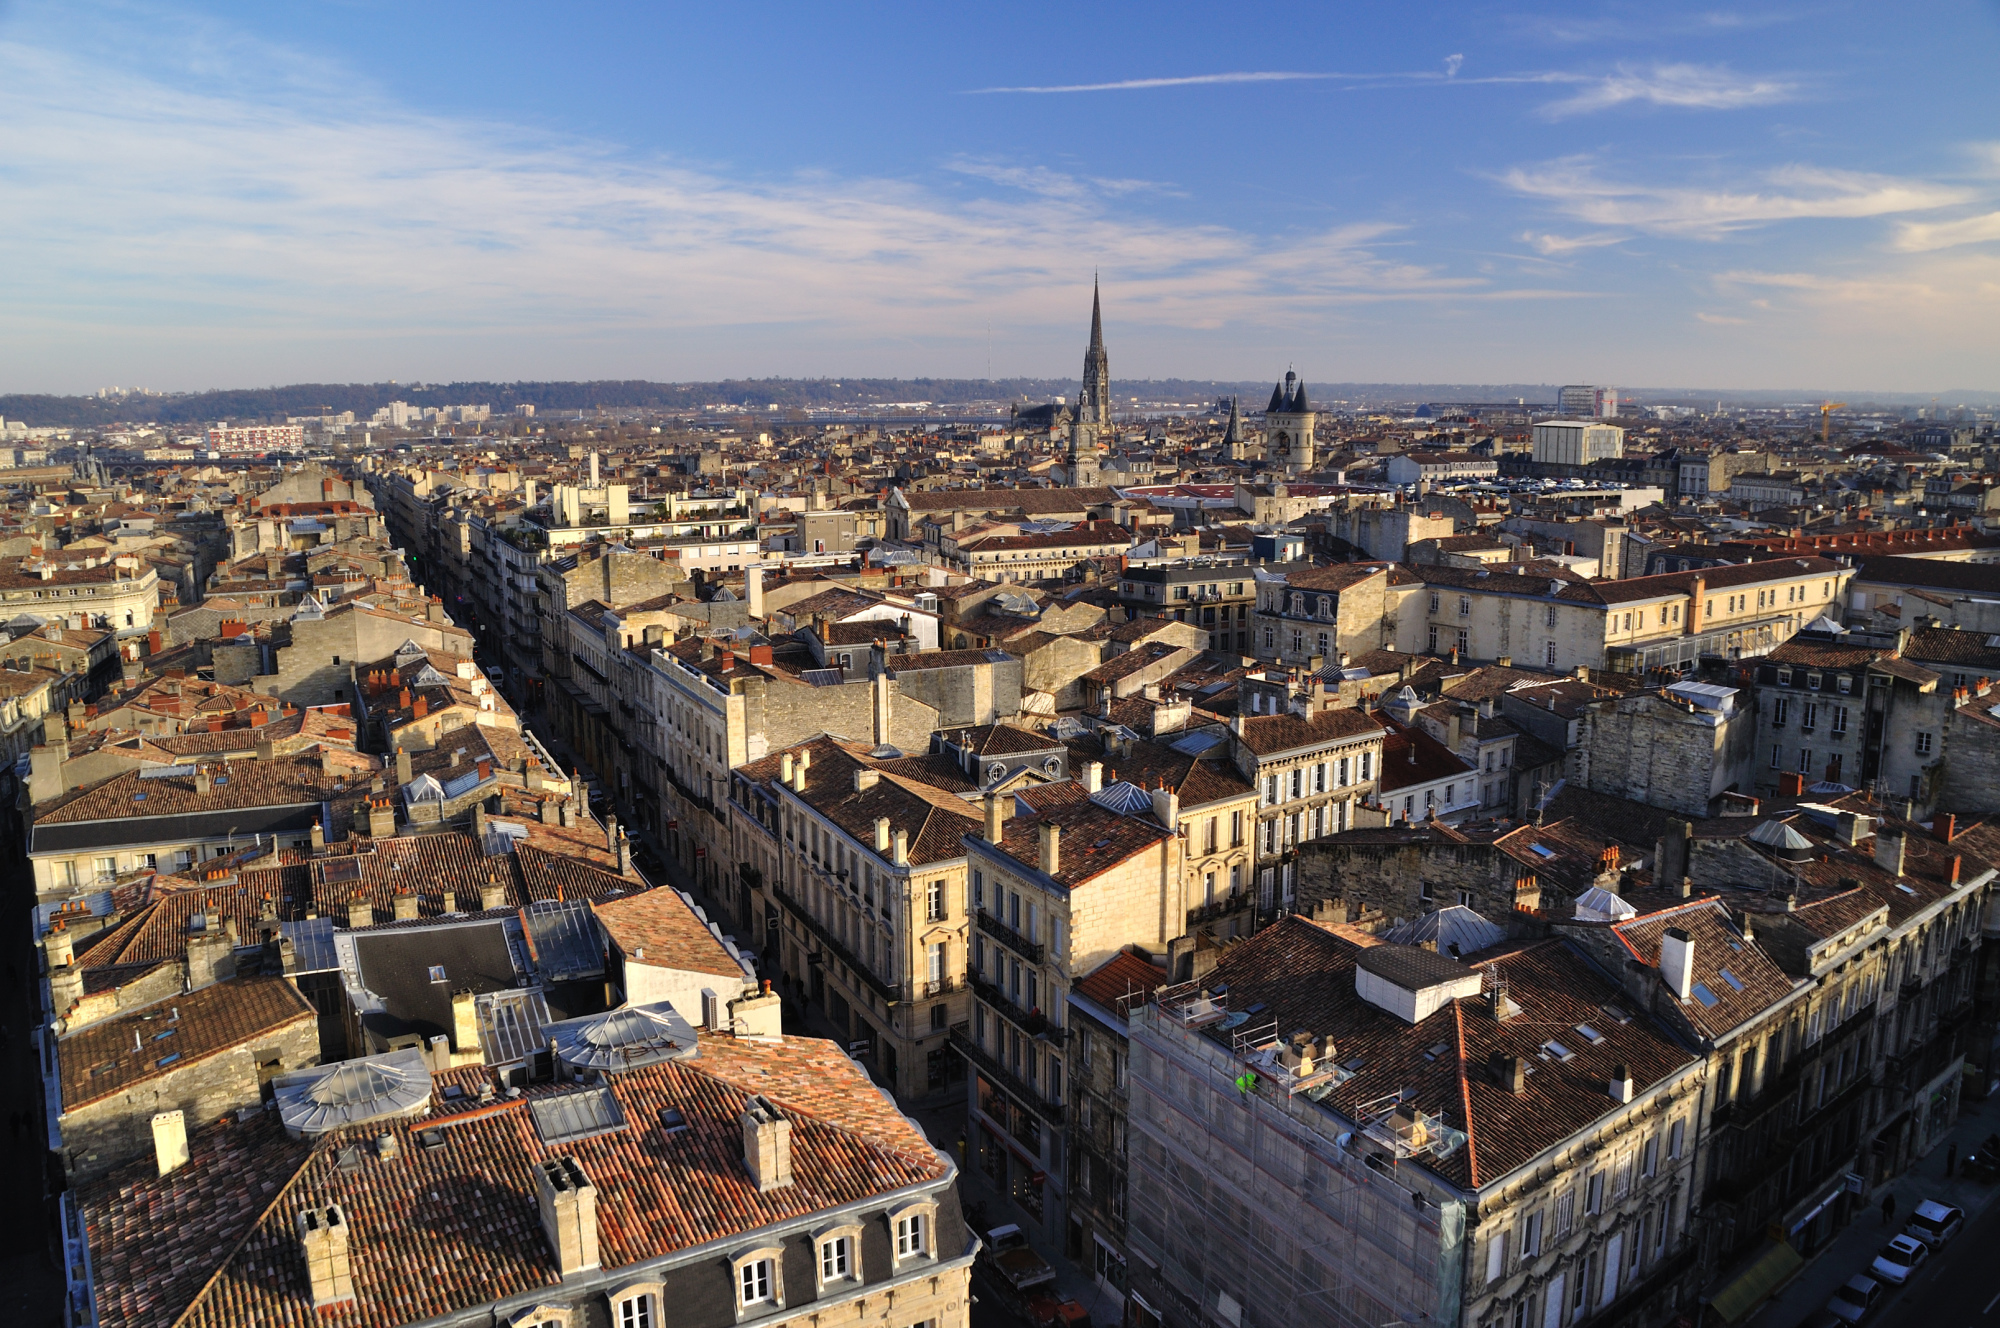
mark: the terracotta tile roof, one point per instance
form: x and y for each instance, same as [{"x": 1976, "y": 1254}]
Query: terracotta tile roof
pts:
[
  {"x": 658, "y": 928},
  {"x": 234, "y": 785},
  {"x": 1197, "y": 783},
  {"x": 417, "y": 1255},
  {"x": 116, "y": 1055},
  {"x": 1135, "y": 660},
  {"x": 1410, "y": 756},
  {"x": 1303, "y": 973},
  {"x": 933, "y": 818},
  {"x": 1948, "y": 645},
  {"x": 1115, "y": 983},
  {"x": 1028, "y": 501},
  {"x": 1719, "y": 948},
  {"x": 1271, "y": 735},
  {"x": 1340, "y": 576},
  {"x": 1093, "y": 839}
]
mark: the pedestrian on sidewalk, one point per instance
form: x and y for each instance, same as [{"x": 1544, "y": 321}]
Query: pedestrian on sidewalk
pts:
[
  {"x": 1950, "y": 1159},
  {"x": 1888, "y": 1209}
]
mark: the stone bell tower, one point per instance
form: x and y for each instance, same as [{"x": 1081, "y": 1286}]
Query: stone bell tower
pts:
[{"x": 1288, "y": 428}]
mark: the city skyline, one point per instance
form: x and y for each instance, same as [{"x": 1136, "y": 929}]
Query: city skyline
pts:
[{"x": 222, "y": 195}]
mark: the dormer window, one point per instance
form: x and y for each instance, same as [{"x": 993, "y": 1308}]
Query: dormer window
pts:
[
  {"x": 1784, "y": 677},
  {"x": 912, "y": 1228}
]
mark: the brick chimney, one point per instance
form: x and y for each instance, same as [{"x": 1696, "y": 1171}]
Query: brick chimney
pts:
[
  {"x": 404, "y": 907},
  {"x": 1050, "y": 856},
  {"x": 381, "y": 817},
  {"x": 767, "y": 1144},
  {"x": 403, "y": 775},
  {"x": 360, "y": 913},
  {"x": 323, "y": 1241},
  {"x": 996, "y": 819},
  {"x": 492, "y": 895}
]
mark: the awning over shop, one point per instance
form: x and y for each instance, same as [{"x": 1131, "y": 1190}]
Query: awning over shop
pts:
[{"x": 1757, "y": 1281}]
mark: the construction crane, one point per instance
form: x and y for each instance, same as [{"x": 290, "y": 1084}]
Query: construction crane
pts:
[{"x": 1826, "y": 409}]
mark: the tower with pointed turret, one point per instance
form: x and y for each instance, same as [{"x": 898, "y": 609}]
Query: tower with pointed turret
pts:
[
  {"x": 1093, "y": 403},
  {"x": 1288, "y": 427}
]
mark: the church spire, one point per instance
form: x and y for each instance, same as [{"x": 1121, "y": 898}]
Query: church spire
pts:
[{"x": 1096, "y": 317}]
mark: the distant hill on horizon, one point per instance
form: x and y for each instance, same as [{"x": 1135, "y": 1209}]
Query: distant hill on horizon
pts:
[{"x": 557, "y": 398}]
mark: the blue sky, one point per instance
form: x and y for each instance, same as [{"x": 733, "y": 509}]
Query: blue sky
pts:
[{"x": 215, "y": 194}]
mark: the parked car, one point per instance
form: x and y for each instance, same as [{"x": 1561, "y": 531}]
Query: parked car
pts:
[
  {"x": 1902, "y": 1256},
  {"x": 1856, "y": 1299},
  {"x": 1934, "y": 1223}
]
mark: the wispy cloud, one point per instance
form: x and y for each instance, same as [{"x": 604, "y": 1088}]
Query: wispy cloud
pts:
[
  {"x": 1681, "y": 86},
  {"x": 1550, "y": 245},
  {"x": 1196, "y": 80},
  {"x": 1915, "y": 237},
  {"x": 1790, "y": 193},
  {"x": 138, "y": 205}
]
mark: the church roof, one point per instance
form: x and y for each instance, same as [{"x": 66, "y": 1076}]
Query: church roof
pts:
[
  {"x": 1277, "y": 399},
  {"x": 1299, "y": 404}
]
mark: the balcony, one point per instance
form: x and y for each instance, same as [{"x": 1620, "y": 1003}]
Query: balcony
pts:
[
  {"x": 934, "y": 987},
  {"x": 832, "y": 944},
  {"x": 1221, "y": 908},
  {"x": 1008, "y": 937},
  {"x": 1032, "y": 1022},
  {"x": 989, "y": 1065}
]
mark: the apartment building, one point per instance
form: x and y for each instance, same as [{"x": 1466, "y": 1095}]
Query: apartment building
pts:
[
  {"x": 1848, "y": 709},
  {"x": 1303, "y": 614},
  {"x": 1217, "y": 597},
  {"x": 1098, "y": 1129},
  {"x": 706, "y": 1179},
  {"x": 1213, "y": 807},
  {"x": 856, "y": 874},
  {"x": 1054, "y": 895},
  {"x": 1544, "y": 617},
  {"x": 1310, "y": 773},
  {"x": 1329, "y": 1128},
  {"x": 115, "y": 592}
]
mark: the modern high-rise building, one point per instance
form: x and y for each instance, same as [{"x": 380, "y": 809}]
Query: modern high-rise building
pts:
[{"x": 1598, "y": 403}]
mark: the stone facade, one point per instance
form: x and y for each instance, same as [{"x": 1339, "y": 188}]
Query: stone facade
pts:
[
  {"x": 1391, "y": 875},
  {"x": 1664, "y": 752}
]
